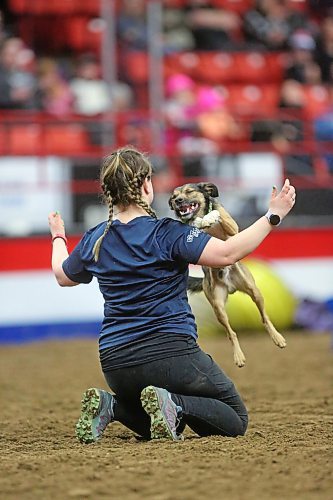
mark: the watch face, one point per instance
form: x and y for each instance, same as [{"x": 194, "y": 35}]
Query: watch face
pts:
[{"x": 274, "y": 219}]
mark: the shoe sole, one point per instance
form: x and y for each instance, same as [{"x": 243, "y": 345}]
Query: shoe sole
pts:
[
  {"x": 159, "y": 428},
  {"x": 89, "y": 410}
]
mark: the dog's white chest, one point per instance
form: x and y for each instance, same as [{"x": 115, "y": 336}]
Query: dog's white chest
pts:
[{"x": 227, "y": 279}]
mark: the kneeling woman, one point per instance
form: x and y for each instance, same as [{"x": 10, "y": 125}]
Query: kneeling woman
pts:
[{"x": 160, "y": 379}]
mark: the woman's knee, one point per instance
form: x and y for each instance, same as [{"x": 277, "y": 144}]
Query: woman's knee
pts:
[{"x": 244, "y": 418}]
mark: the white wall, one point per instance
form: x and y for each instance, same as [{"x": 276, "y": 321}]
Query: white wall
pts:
[{"x": 33, "y": 297}]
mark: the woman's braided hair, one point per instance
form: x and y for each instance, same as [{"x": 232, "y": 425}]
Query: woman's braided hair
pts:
[{"x": 122, "y": 175}]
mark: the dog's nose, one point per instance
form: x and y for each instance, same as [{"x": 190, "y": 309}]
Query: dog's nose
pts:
[{"x": 179, "y": 199}]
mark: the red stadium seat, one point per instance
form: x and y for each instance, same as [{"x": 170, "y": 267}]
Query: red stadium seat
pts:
[
  {"x": 174, "y": 3},
  {"x": 301, "y": 5},
  {"x": 136, "y": 67},
  {"x": 251, "y": 67},
  {"x": 225, "y": 67},
  {"x": 184, "y": 62},
  {"x": 88, "y": 7},
  {"x": 276, "y": 65},
  {"x": 239, "y": 6},
  {"x": 216, "y": 68},
  {"x": 37, "y": 7},
  {"x": 24, "y": 139},
  {"x": 3, "y": 141},
  {"x": 252, "y": 99},
  {"x": 58, "y": 7},
  {"x": 53, "y": 139},
  {"x": 84, "y": 33},
  {"x": 256, "y": 67},
  {"x": 65, "y": 139},
  {"x": 18, "y": 6},
  {"x": 318, "y": 99}
]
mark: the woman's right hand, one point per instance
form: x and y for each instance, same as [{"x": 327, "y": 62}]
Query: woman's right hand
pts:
[{"x": 281, "y": 203}]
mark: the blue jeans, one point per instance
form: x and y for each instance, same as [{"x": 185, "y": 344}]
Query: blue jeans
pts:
[{"x": 209, "y": 400}]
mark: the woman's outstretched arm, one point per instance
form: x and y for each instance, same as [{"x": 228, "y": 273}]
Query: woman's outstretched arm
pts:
[
  {"x": 218, "y": 253},
  {"x": 59, "y": 249}
]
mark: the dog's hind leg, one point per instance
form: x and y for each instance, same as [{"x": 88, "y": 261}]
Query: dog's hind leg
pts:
[
  {"x": 217, "y": 296},
  {"x": 250, "y": 288}
]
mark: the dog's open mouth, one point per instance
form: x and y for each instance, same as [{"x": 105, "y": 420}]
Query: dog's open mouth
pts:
[{"x": 187, "y": 210}]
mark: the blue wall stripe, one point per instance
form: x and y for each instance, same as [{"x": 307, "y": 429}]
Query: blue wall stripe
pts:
[{"x": 20, "y": 334}]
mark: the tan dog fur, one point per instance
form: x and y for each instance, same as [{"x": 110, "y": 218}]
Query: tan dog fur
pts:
[{"x": 217, "y": 284}]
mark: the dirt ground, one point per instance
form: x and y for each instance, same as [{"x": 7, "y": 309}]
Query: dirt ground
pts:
[{"x": 286, "y": 453}]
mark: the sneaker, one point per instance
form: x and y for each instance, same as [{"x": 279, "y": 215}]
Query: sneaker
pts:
[
  {"x": 163, "y": 412},
  {"x": 96, "y": 414}
]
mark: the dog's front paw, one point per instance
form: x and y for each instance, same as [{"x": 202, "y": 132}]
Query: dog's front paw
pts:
[
  {"x": 198, "y": 222},
  {"x": 211, "y": 219}
]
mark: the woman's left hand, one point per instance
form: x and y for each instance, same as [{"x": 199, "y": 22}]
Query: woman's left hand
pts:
[{"x": 56, "y": 223}]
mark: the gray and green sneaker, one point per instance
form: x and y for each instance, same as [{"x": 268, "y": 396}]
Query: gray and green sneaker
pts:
[
  {"x": 96, "y": 414},
  {"x": 164, "y": 413}
]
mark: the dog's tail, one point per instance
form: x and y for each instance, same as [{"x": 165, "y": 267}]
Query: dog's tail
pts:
[{"x": 194, "y": 284}]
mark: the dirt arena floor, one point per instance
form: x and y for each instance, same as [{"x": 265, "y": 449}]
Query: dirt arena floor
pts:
[{"x": 286, "y": 453}]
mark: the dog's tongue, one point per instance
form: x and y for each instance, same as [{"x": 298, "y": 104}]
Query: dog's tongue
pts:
[{"x": 185, "y": 209}]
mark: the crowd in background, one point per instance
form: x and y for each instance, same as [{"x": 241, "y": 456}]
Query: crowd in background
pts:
[{"x": 63, "y": 84}]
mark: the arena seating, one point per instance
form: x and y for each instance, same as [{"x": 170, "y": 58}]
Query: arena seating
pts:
[
  {"x": 83, "y": 33},
  {"x": 215, "y": 67},
  {"x": 36, "y": 139},
  {"x": 23, "y": 139},
  {"x": 56, "y": 7},
  {"x": 250, "y": 79},
  {"x": 239, "y": 6},
  {"x": 317, "y": 99},
  {"x": 239, "y": 67},
  {"x": 256, "y": 100}
]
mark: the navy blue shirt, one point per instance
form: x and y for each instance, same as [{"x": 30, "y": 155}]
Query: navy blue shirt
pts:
[{"x": 142, "y": 273}]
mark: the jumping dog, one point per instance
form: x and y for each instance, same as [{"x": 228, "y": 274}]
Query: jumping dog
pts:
[{"x": 197, "y": 205}]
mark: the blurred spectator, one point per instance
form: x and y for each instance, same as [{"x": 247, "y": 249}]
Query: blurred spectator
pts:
[
  {"x": 198, "y": 112},
  {"x": 282, "y": 132},
  {"x": 272, "y": 23},
  {"x": 92, "y": 95},
  {"x": 292, "y": 95},
  {"x": 131, "y": 25},
  {"x": 320, "y": 7},
  {"x": 213, "y": 119},
  {"x": 324, "y": 52},
  {"x": 90, "y": 92},
  {"x": 54, "y": 92},
  {"x": 323, "y": 129},
  {"x": 122, "y": 97},
  {"x": 302, "y": 67},
  {"x": 212, "y": 28},
  {"x": 180, "y": 102},
  {"x": 3, "y": 31},
  {"x": 181, "y": 111},
  {"x": 17, "y": 81},
  {"x": 176, "y": 34}
]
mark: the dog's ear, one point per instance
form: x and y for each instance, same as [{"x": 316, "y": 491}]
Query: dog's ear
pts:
[
  {"x": 209, "y": 188},
  {"x": 170, "y": 202}
]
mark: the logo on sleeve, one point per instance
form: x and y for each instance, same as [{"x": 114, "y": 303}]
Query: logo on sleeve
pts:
[{"x": 194, "y": 233}]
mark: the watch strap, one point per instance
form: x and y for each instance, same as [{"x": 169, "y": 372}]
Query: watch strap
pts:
[{"x": 268, "y": 216}]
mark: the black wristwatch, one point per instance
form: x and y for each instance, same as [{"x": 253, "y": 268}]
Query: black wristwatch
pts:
[{"x": 273, "y": 219}]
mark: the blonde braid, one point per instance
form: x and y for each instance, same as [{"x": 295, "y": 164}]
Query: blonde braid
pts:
[
  {"x": 98, "y": 242},
  {"x": 143, "y": 204},
  {"x": 122, "y": 175},
  {"x": 134, "y": 189}
]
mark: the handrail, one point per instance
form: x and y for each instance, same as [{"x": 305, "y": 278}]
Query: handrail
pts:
[{"x": 31, "y": 133}]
